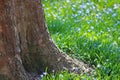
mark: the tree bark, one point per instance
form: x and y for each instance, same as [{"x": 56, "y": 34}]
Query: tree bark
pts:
[{"x": 25, "y": 44}]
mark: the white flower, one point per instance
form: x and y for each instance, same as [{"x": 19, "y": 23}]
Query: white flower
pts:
[
  {"x": 53, "y": 76},
  {"x": 67, "y": 0},
  {"x": 49, "y": 15},
  {"x": 115, "y": 43},
  {"x": 95, "y": 78},
  {"x": 88, "y": 3},
  {"x": 92, "y": 27},
  {"x": 116, "y": 6},
  {"x": 78, "y": 29},
  {"x": 83, "y": 6},
  {"x": 41, "y": 76},
  {"x": 110, "y": 10},
  {"x": 98, "y": 65},
  {"x": 60, "y": 75},
  {"x": 79, "y": 11},
  {"x": 74, "y": 5},
  {"x": 93, "y": 7},
  {"x": 118, "y": 38},
  {"x": 75, "y": 68},
  {"x": 73, "y": 8},
  {"x": 113, "y": 15},
  {"x": 92, "y": 3},
  {"x": 87, "y": 11},
  {"x": 45, "y": 73},
  {"x": 98, "y": 15},
  {"x": 88, "y": 30}
]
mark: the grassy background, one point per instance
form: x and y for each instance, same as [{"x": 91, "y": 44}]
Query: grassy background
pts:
[{"x": 88, "y": 30}]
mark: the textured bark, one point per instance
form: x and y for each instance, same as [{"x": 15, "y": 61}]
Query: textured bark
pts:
[
  {"x": 10, "y": 59},
  {"x": 25, "y": 43}
]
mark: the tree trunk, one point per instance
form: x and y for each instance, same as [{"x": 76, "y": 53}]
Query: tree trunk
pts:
[{"x": 25, "y": 44}]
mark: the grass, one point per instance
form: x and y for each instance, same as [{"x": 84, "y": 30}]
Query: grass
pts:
[
  {"x": 88, "y": 30},
  {"x": 67, "y": 76}
]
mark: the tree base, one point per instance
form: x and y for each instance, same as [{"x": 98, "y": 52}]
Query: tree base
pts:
[{"x": 4, "y": 77}]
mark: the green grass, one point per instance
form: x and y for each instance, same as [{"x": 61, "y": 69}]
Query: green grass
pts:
[
  {"x": 88, "y": 30},
  {"x": 67, "y": 76}
]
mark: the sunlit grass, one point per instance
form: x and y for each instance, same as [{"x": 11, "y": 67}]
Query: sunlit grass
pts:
[
  {"x": 88, "y": 30},
  {"x": 66, "y": 76}
]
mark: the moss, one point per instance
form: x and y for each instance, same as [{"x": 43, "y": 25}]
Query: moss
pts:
[
  {"x": 32, "y": 48},
  {"x": 33, "y": 61},
  {"x": 4, "y": 77},
  {"x": 29, "y": 64}
]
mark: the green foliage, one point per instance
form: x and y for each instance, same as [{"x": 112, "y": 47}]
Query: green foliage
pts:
[
  {"x": 66, "y": 76},
  {"x": 88, "y": 30}
]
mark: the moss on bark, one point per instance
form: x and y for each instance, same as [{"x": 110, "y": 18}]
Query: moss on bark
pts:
[{"x": 4, "y": 77}]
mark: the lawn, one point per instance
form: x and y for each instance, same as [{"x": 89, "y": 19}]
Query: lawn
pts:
[{"x": 88, "y": 30}]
